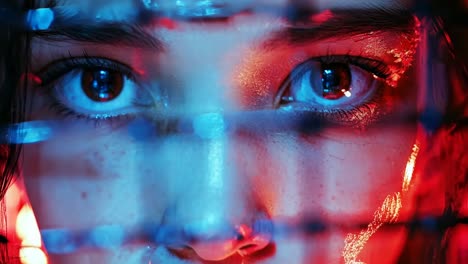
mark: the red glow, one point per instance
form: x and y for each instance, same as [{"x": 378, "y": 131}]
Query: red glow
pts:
[
  {"x": 31, "y": 245},
  {"x": 24, "y": 236},
  {"x": 32, "y": 77},
  {"x": 140, "y": 72},
  {"x": 166, "y": 23},
  {"x": 244, "y": 230},
  {"x": 321, "y": 17}
]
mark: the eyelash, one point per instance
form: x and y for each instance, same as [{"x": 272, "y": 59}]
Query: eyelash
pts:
[
  {"x": 375, "y": 67},
  {"x": 65, "y": 65},
  {"x": 359, "y": 116},
  {"x": 353, "y": 116},
  {"x": 59, "y": 68}
]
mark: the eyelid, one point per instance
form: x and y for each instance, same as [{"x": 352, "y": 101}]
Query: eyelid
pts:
[
  {"x": 58, "y": 68},
  {"x": 376, "y": 67}
]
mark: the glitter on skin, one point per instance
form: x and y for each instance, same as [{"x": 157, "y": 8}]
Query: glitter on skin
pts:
[
  {"x": 410, "y": 167},
  {"x": 387, "y": 213},
  {"x": 404, "y": 57}
]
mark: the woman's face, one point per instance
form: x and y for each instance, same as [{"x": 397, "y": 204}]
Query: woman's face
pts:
[{"x": 208, "y": 126}]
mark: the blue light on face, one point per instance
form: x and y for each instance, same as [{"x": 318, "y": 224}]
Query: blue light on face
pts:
[
  {"x": 107, "y": 237},
  {"x": 59, "y": 241},
  {"x": 190, "y": 9},
  {"x": 142, "y": 129},
  {"x": 27, "y": 132},
  {"x": 209, "y": 126},
  {"x": 40, "y": 19}
]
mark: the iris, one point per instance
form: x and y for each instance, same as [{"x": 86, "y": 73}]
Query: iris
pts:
[
  {"x": 336, "y": 80},
  {"x": 102, "y": 85}
]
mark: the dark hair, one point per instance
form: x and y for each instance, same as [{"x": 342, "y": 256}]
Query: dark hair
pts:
[
  {"x": 14, "y": 54},
  {"x": 442, "y": 166}
]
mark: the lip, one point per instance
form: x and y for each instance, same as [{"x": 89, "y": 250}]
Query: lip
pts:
[{"x": 188, "y": 255}]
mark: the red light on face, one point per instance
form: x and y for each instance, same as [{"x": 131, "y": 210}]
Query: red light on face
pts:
[
  {"x": 321, "y": 17},
  {"x": 166, "y": 23},
  {"x": 28, "y": 233},
  {"x": 32, "y": 78},
  {"x": 244, "y": 231}
]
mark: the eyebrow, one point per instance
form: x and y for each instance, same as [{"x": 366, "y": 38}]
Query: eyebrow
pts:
[
  {"x": 344, "y": 23},
  {"x": 338, "y": 23},
  {"x": 115, "y": 33}
]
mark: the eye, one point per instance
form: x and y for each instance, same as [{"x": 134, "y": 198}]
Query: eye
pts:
[
  {"x": 336, "y": 87},
  {"x": 95, "y": 88},
  {"x": 335, "y": 81},
  {"x": 102, "y": 85}
]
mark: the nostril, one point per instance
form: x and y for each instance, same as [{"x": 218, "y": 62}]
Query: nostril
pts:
[
  {"x": 247, "y": 247},
  {"x": 184, "y": 252},
  {"x": 252, "y": 248},
  {"x": 221, "y": 241},
  {"x": 253, "y": 243},
  {"x": 247, "y": 243},
  {"x": 248, "y": 250}
]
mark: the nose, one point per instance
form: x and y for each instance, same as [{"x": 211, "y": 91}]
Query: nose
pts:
[
  {"x": 217, "y": 208},
  {"x": 245, "y": 242}
]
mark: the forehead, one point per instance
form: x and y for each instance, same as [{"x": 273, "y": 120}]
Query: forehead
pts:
[
  {"x": 317, "y": 5},
  {"x": 330, "y": 3},
  {"x": 139, "y": 11}
]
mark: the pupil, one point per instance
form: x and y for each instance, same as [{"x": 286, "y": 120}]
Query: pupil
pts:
[
  {"x": 336, "y": 80},
  {"x": 101, "y": 85}
]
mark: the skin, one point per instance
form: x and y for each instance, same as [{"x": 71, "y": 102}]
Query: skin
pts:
[{"x": 104, "y": 175}]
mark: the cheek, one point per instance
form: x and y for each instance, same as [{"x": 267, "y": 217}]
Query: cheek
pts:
[
  {"x": 335, "y": 174},
  {"x": 101, "y": 178}
]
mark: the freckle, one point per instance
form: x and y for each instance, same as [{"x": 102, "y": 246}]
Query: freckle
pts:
[
  {"x": 84, "y": 195},
  {"x": 333, "y": 198}
]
